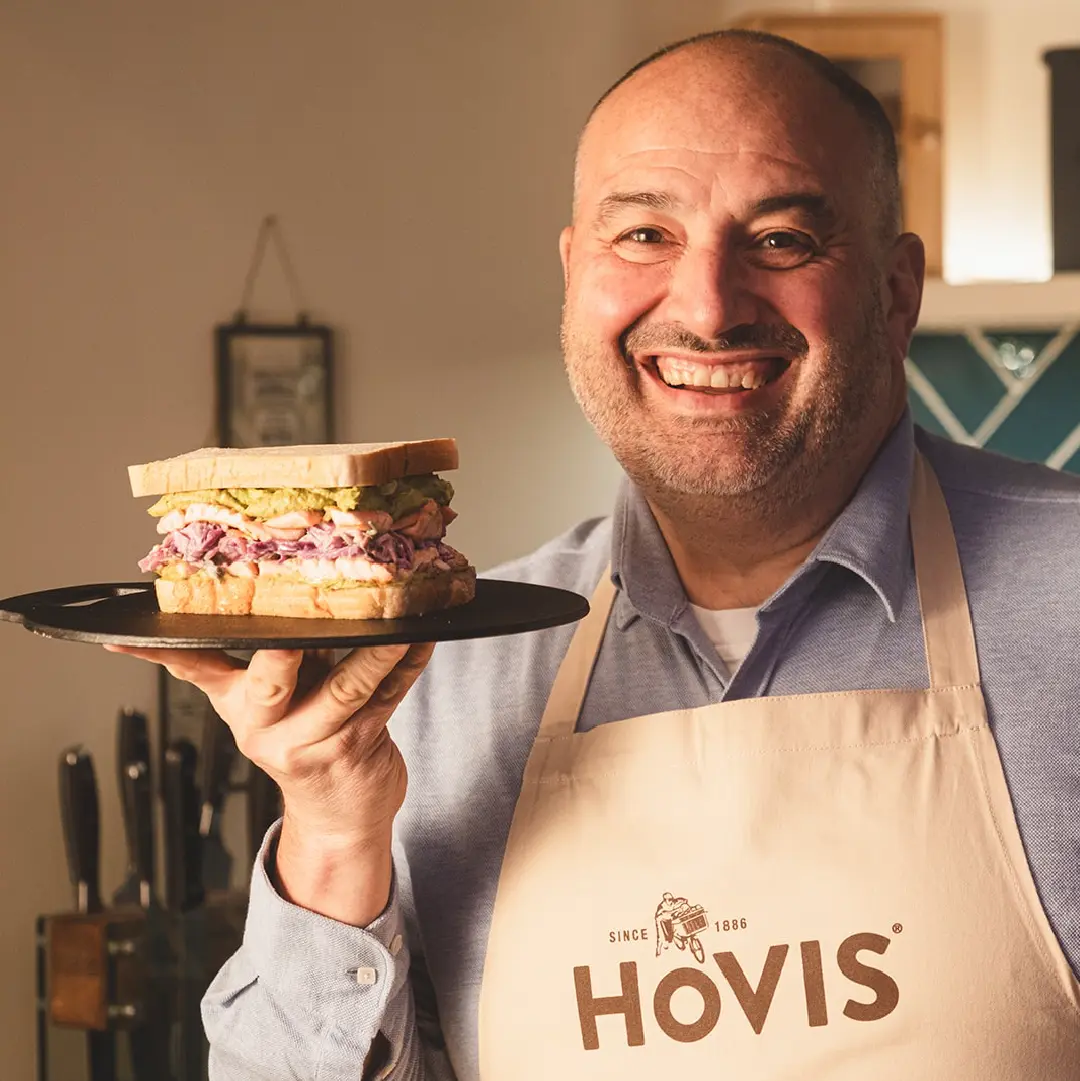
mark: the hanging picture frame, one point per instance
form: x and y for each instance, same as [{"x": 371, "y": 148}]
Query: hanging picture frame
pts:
[{"x": 273, "y": 384}]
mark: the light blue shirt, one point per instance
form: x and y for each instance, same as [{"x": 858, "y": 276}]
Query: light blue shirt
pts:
[{"x": 304, "y": 997}]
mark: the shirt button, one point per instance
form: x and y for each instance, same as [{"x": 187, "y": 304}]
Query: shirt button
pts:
[
  {"x": 366, "y": 976},
  {"x": 395, "y": 945}
]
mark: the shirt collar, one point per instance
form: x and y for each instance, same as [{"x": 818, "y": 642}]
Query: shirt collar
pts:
[
  {"x": 641, "y": 564},
  {"x": 869, "y": 538}
]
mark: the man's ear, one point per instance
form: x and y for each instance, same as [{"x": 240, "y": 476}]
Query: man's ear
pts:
[
  {"x": 902, "y": 288},
  {"x": 565, "y": 237}
]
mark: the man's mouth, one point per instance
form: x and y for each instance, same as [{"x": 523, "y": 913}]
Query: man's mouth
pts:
[{"x": 718, "y": 376}]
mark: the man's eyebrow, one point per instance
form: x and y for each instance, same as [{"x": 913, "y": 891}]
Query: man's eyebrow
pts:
[
  {"x": 816, "y": 205},
  {"x": 812, "y": 203},
  {"x": 649, "y": 200}
]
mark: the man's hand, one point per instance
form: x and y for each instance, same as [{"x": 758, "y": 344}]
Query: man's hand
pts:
[{"x": 321, "y": 735}]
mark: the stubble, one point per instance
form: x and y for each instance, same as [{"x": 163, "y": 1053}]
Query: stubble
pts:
[{"x": 756, "y": 462}]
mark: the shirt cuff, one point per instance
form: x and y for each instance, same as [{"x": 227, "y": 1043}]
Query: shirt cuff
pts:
[{"x": 325, "y": 967}]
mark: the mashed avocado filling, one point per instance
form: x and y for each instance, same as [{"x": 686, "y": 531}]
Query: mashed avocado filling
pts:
[{"x": 397, "y": 498}]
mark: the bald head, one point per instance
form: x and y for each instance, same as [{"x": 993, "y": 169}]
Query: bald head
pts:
[{"x": 764, "y": 68}]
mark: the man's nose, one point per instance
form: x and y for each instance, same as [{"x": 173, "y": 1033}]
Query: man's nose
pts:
[{"x": 708, "y": 293}]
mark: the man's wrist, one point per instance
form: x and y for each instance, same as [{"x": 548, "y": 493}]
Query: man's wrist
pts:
[{"x": 345, "y": 878}]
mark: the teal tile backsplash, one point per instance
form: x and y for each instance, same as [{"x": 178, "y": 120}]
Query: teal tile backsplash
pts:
[{"x": 1013, "y": 391}]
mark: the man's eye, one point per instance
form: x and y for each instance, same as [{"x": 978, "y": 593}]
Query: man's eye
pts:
[
  {"x": 643, "y": 234},
  {"x": 784, "y": 248}
]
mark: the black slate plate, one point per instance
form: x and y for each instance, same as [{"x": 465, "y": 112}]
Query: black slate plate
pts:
[{"x": 126, "y": 613}]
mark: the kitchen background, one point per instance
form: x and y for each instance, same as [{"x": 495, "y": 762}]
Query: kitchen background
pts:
[{"x": 419, "y": 157}]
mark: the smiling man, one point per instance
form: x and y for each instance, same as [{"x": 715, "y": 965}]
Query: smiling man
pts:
[
  {"x": 735, "y": 228},
  {"x": 825, "y": 699}
]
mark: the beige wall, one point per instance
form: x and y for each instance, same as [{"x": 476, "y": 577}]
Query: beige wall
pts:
[{"x": 419, "y": 156}]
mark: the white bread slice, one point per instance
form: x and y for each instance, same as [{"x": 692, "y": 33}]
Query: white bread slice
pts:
[
  {"x": 281, "y": 597},
  {"x": 331, "y": 465},
  {"x": 225, "y": 596}
]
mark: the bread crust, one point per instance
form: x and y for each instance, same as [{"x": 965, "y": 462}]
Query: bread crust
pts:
[
  {"x": 276, "y": 596},
  {"x": 225, "y": 596},
  {"x": 332, "y": 465}
]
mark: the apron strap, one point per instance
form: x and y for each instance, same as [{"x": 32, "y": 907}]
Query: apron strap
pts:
[
  {"x": 951, "y": 658},
  {"x": 568, "y": 691}
]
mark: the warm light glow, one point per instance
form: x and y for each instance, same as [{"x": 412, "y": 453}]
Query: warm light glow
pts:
[{"x": 988, "y": 248}]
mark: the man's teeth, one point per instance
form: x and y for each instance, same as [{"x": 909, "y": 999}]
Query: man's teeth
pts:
[{"x": 714, "y": 376}]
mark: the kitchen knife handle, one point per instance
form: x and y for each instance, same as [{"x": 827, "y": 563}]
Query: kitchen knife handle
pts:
[
  {"x": 133, "y": 737},
  {"x": 139, "y": 797},
  {"x": 183, "y": 845},
  {"x": 133, "y": 750},
  {"x": 81, "y": 827},
  {"x": 217, "y": 754}
]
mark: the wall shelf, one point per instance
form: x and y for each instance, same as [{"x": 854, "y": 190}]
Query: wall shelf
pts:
[{"x": 1052, "y": 304}]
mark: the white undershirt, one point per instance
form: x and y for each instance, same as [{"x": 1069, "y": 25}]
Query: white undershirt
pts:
[{"x": 732, "y": 631}]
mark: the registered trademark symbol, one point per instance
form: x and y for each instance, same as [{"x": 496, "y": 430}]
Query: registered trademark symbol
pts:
[{"x": 897, "y": 928}]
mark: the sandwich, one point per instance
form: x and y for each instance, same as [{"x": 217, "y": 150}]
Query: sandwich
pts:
[{"x": 346, "y": 531}]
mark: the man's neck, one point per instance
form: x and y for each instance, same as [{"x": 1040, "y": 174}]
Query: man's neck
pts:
[
  {"x": 737, "y": 551},
  {"x": 727, "y": 555}
]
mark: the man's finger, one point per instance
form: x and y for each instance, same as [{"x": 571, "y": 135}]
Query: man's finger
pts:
[
  {"x": 269, "y": 684},
  {"x": 205, "y": 668},
  {"x": 348, "y": 688},
  {"x": 407, "y": 671},
  {"x": 314, "y": 668}
]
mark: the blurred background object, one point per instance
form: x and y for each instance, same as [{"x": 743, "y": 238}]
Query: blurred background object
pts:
[{"x": 1064, "y": 67}]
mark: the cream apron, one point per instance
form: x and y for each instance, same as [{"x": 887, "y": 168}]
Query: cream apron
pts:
[{"x": 822, "y": 887}]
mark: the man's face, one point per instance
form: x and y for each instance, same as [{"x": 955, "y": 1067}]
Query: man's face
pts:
[{"x": 732, "y": 323}]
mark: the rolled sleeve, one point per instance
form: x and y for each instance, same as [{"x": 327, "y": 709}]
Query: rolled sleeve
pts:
[{"x": 305, "y": 995}]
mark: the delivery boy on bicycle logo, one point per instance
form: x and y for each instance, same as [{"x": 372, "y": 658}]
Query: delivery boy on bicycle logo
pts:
[{"x": 678, "y": 921}]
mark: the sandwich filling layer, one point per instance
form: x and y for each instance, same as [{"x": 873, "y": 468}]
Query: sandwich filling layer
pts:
[{"x": 334, "y": 537}]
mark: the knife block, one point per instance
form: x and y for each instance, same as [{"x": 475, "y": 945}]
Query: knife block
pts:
[
  {"x": 95, "y": 978},
  {"x": 138, "y": 974}
]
